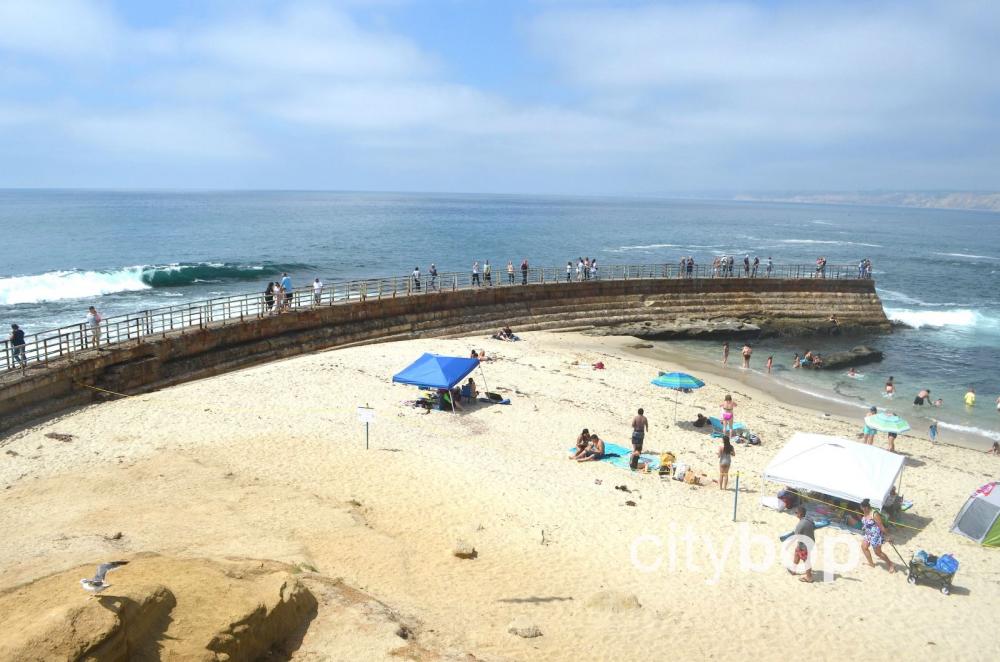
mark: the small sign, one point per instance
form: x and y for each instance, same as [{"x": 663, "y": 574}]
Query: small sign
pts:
[{"x": 366, "y": 415}]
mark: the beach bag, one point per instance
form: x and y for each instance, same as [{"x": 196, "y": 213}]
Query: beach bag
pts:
[
  {"x": 946, "y": 564},
  {"x": 753, "y": 440}
]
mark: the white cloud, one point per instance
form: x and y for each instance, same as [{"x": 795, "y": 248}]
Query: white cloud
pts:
[{"x": 57, "y": 28}]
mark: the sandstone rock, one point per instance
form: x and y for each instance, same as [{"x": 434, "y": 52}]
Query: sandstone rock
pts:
[
  {"x": 860, "y": 355},
  {"x": 523, "y": 627},
  {"x": 615, "y": 602},
  {"x": 464, "y": 550},
  {"x": 681, "y": 329}
]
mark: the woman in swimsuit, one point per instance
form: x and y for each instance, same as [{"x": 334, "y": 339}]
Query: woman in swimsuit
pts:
[
  {"x": 727, "y": 415},
  {"x": 582, "y": 443},
  {"x": 874, "y": 532},
  {"x": 726, "y": 453}
]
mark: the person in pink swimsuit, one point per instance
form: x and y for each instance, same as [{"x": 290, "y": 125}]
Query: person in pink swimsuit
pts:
[{"x": 727, "y": 415}]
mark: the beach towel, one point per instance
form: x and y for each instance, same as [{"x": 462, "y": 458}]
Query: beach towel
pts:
[
  {"x": 505, "y": 401},
  {"x": 717, "y": 425},
  {"x": 619, "y": 456}
]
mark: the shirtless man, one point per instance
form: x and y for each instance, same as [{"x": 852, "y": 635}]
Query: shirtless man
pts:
[
  {"x": 595, "y": 451},
  {"x": 747, "y": 351},
  {"x": 640, "y": 425},
  {"x": 922, "y": 397}
]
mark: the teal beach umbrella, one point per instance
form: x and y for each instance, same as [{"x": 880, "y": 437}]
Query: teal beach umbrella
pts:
[
  {"x": 678, "y": 381},
  {"x": 886, "y": 422}
]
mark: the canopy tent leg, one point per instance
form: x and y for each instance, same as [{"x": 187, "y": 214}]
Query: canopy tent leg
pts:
[{"x": 486, "y": 386}]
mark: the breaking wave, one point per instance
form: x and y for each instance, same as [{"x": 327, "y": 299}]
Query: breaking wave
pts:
[
  {"x": 827, "y": 241},
  {"x": 75, "y": 284},
  {"x": 965, "y": 318}
]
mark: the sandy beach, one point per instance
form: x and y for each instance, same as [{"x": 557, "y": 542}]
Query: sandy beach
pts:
[{"x": 270, "y": 463}]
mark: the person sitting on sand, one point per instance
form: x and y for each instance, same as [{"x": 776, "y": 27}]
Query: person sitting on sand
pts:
[
  {"x": 474, "y": 355},
  {"x": 701, "y": 421},
  {"x": 595, "y": 450},
  {"x": 635, "y": 463},
  {"x": 582, "y": 443},
  {"x": 473, "y": 391},
  {"x": 874, "y": 534},
  {"x": 995, "y": 449},
  {"x": 501, "y": 335}
]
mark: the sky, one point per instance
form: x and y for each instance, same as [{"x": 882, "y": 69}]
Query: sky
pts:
[{"x": 500, "y": 96}]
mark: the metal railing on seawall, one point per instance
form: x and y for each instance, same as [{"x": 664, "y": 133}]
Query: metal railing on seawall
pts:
[{"x": 46, "y": 346}]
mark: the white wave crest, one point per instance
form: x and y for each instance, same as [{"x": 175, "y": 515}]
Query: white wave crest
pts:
[
  {"x": 969, "y": 429},
  {"x": 936, "y": 319},
  {"x": 893, "y": 295},
  {"x": 622, "y": 249},
  {"x": 832, "y": 242},
  {"x": 818, "y": 222},
  {"x": 969, "y": 256},
  {"x": 58, "y": 285}
]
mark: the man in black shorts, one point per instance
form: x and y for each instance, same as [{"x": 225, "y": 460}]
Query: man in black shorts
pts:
[{"x": 639, "y": 427}]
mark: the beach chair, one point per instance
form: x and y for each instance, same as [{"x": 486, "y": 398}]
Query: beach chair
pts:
[
  {"x": 466, "y": 394},
  {"x": 666, "y": 464}
]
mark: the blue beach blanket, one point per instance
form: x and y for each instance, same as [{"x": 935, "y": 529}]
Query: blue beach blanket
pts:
[
  {"x": 717, "y": 424},
  {"x": 619, "y": 456}
]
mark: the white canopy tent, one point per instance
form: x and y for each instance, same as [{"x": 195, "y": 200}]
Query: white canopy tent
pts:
[{"x": 835, "y": 466}]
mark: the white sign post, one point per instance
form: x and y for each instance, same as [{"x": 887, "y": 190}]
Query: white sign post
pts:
[{"x": 366, "y": 415}]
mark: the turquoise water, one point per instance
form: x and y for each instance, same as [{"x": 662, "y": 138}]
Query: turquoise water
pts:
[{"x": 127, "y": 251}]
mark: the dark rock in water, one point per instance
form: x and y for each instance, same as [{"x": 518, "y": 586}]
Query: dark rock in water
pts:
[
  {"x": 856, "y": 356},
  {"x": 729, "y": 329}
]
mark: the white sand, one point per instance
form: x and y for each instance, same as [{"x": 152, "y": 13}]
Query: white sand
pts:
[{"x": 270, "y": 462}]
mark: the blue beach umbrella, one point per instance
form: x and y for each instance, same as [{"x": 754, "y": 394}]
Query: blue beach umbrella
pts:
[
  {"x": 886, "y": 422},
  {"x": 678, "y": 381}
]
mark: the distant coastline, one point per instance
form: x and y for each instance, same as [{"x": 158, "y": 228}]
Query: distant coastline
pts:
[{"x": 958, "y": 200}]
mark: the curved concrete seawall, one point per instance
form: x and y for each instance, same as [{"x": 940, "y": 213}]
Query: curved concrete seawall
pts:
[{"x": 774, "y": 305}]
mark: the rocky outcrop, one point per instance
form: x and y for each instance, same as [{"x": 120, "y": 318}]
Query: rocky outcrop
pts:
[
  {"x": 209, "y": 610},
  {"x": 860, "y": 355},
  {"x": 682, "y": 329}
]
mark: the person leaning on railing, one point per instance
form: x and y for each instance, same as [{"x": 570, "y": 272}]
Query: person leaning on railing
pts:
[{"x": 17, "y": 344}]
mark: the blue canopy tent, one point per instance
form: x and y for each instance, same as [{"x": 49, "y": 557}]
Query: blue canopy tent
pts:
[{"x": 439, "y": 372}]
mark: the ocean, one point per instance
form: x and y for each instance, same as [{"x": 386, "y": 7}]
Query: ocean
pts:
[{"x": 936, "y": 270}]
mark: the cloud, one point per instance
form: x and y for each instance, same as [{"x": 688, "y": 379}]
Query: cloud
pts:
[{"x": 57, "y": 29}]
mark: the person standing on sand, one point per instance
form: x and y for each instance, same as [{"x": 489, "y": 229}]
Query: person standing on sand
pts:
[
  {"x": 891, "y": 436},
  {"x": 640, "y": 425},
  {"x": 725, "y": 353},
  {"x": 94, "y": 324},
  {"x": 524, "y": 271},
  {"x": 868, "y": 433},
  {"x": 726, "y": 453},
  {"x": 17, "y": 344},
  {"x": 727, "y": 414},
  {"x": 770, "y": 363},
  {"x": 875, "y": 534},
  {"x": 747, "y": 352},
  {"x": 805, "y": 528}
]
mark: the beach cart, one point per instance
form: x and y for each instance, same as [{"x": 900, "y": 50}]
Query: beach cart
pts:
[{"x": 929, "y": 569}]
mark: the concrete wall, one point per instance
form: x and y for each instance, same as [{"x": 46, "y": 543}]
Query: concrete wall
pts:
[{"x": 178, "y": 357}]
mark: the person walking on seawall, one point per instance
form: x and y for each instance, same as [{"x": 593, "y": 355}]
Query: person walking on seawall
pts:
[
  {"x": 524, "y": 272},
  {"x": 805, "y": 528},
  {"x": 475, "y": 274},
  {"x": 640, "y": 425},
  {"x": 569, "y": 271},
  {"x": 593, "y": 269},
  {"x": 434, "y": 276},
  {"x": 746, "y": 266},
  {"x": 17, "y": 344},
  {"x": 286, "y": 285},
  {"x": 770, "y": 267},
  {"x": 488, "y": 273},
  {"x": 416, "y": 278},
  {"x": 510, "y": 272},
  {"x": 756, "y": 265},
  {"x": 821, "y": 267},
  {"x": 318, "y": 290}
]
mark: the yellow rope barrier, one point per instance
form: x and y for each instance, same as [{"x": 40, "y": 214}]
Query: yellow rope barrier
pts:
[{"x": 855, "y": 512}]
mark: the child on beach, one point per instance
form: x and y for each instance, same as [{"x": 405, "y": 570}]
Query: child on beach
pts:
[
  {"x": 727, "y": 414},
  {"x": 890, "y": 388},
  {"x": 770, "y": 362},
  {"x": 726, "y": 453},
  {"x": 725, "y": 353}
]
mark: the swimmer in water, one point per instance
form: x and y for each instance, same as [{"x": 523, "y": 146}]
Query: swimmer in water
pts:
[
  {"x": 854, "y": 374},
  {"x": 770, "y": 362},
  {"x": 890, "y": 388},
  {"x": 922, "y": 397},
  {"x": 938, "y": 402}
]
